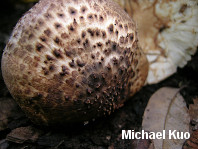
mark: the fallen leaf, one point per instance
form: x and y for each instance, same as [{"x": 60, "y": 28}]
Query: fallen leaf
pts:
[
  {"x": 192, "y": 143},
  {"x": 193, "y": 111},
  {"x": 166, "y": 110},
  {"x": 9, "y": 110},
  {"x": 143, "y": 144},
  {"x": 22, "y": 134}
]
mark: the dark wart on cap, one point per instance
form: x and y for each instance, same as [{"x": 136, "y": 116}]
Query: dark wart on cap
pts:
[{"x": 74, "y": 69}]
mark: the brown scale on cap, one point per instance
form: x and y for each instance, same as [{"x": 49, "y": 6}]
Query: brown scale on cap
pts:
[{"x": 71, "y": 61}]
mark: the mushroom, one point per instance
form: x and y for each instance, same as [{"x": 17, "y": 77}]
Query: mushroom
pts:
[
  {"x": 69, "y": 61},
  {"x": 168, "y": 33}
]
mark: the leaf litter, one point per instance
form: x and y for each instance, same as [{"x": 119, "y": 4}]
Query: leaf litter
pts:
[
  {"x": 22, "y": 134},
  {"x": 192, "y": 143},
  {"x": 193, "y": 111},
  {"x": 166, "y": 110}
]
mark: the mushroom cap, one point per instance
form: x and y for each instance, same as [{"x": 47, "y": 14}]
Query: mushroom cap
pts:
[
  {"x": 69, "y": 61},
  {"x": 168, "y": 33}
]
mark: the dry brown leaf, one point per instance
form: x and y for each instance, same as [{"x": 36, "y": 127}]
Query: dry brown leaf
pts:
[
  {"x": 192, "y": 143},
  {"x": 22, "y": 134},
  {"x": 166, "y": 110},
  {"x": 143, "y": 144},
  {"x": 193, "y": 111}
]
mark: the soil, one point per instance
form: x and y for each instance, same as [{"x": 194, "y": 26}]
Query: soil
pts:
[{"x": 101, "y": 133}]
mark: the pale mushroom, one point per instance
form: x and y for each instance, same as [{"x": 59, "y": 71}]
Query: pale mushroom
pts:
[{"x": 168, "y": 33}]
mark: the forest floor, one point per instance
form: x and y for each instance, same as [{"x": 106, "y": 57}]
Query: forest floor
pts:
[{"x": 102, "y": 133}]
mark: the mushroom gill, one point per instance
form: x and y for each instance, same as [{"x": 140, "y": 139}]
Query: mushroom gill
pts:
[{"x": 168, "y": 33}]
